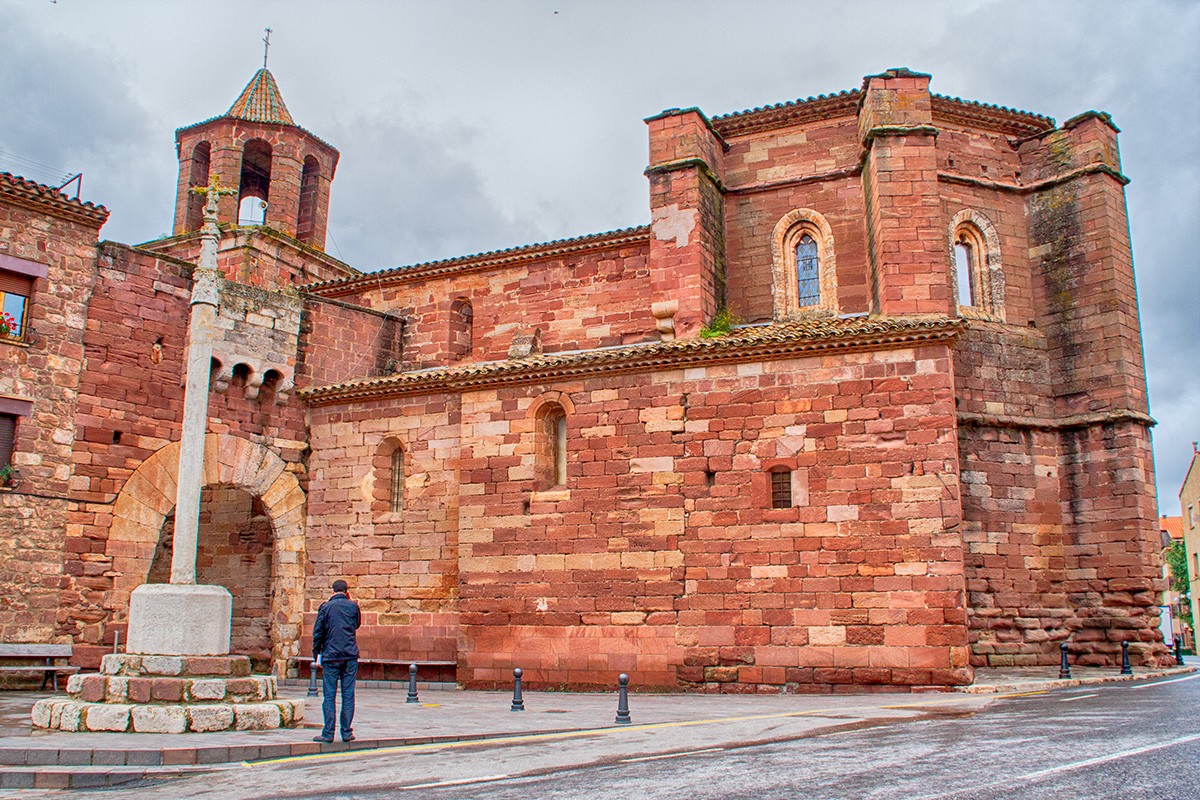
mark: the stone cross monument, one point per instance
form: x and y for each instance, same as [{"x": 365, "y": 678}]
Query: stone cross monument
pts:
[
  {"x": 183, "y": 617},
  {"x": 176, "y": 674}
]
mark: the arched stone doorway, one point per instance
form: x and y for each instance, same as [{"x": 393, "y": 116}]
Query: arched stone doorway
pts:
[
  {"x": 235, "y": 470},
  {"x": 236, "y": 543}
]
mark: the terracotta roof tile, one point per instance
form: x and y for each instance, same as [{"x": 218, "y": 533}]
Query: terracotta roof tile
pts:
[
  {"x": 1172, "y": 525},
  {"x": 260, "y": 101},
  {"x": 16, "y": 187},
  {"x": 750, "y": 343}
]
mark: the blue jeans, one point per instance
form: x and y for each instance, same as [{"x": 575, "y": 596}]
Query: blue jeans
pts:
[{"x": 331, "y": 673}]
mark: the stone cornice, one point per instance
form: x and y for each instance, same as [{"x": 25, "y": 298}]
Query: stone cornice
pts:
[
  {"x": 880, "y": 131},
  {"x": 49, "y": 200},
  {"x": 782, "y": 115},
  {"x": 482, "y": 261},
  {"x": 687, "y": 163},
  {"x": 969, "y": 419},
  {"x": 785, "y": 340},
  {"x": 1001, "y": 119},
  {"x": 785, "y": 183},
  {"x": 1036, "y": 186}
]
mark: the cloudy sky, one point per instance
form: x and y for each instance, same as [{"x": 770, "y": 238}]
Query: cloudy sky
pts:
[{"x": 470, "y": 126}]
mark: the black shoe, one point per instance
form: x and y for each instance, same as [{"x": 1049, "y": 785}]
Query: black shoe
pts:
[
  {"x": 322, "y": 739},
  {"x": 349, "y": 737}
]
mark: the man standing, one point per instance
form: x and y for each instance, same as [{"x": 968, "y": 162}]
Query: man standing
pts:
[{"x": 335, "y": 646}]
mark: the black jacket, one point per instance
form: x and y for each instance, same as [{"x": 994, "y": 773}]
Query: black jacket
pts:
[{"x": 333, "y": 632}]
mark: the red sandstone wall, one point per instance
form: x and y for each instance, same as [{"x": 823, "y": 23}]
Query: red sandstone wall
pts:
[
  {"x": 402, "y": 568},
  {"x": 259, "y": 257},
  {"x": 770, "y": 174},
  {"x": 345, "y": 342},
  {"x": 661, "y": 557},
  {"x": 43, "y": 370},
  {"x": 596, "y": 299}
]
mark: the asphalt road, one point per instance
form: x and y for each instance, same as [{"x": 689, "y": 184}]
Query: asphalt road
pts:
[{"x": 1120, "y": 741}]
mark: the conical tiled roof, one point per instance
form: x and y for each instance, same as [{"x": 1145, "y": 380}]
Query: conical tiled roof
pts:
[{"x": 260, "y": 101}]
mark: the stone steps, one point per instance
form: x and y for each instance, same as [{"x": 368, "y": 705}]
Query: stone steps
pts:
[
  {"x": 80, "y": 768},
  {"x": 57, "y": 777}
]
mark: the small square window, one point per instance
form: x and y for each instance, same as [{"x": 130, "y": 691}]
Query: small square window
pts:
[
  {"x": 15, "y": 291},
  {"x": 781, "y": 489}
]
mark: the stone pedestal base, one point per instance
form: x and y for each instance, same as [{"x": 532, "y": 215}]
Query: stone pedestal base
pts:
[
  {"x": 179, "y": 619},
  {"x": 169, "y": 694}
]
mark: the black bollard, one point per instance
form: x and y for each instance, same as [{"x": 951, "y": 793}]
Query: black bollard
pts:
[
  {"x": 412, "y": 684},
  {"x": 623, "y": 717},
  {"x": 518, "y": 701},
  {"x": 1064, "y": 668},
  {"x": 1179, "y": 650},
  {"x": 312, "y": 678},
  {"x": 1125, "y": 668}
]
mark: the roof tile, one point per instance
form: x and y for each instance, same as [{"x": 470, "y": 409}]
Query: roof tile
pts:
[{"x": 261, "y": 101}]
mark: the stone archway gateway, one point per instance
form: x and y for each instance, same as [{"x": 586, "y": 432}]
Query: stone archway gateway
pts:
[{"x": 148, "y": 497}]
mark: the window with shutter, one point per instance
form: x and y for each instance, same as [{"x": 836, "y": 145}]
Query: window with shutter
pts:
[{"x": 8, "y": 436}]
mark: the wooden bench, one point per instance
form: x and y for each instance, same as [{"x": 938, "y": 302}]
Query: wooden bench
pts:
[{"x": 48, "y": 652}]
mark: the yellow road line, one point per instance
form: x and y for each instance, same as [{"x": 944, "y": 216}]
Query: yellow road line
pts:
[{"x": 558, "y": 735}]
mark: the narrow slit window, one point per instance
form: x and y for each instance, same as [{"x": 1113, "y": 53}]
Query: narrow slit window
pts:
[
  {"x": 560, "y": 450},
  {"x": 964, "y": 265},
  {"x": 396, "y": 490},
  {"x": 781, "y": 489},
  {"x": 808, "y": 272},
  {"x": 551, "y": 447}
]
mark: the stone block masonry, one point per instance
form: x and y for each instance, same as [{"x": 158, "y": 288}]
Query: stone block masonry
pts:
[{"x": 934, "y": 458}]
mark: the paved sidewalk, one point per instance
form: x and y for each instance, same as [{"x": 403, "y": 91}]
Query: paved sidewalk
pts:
[{"x": 383, "y": 718}]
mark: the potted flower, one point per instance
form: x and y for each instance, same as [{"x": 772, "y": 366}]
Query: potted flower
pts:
[
  {"x": 8, "y": 326},
  {"x": 8, "y": 475}
]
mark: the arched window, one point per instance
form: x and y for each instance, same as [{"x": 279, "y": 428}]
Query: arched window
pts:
[
  {"x": 461, "y": 320},
  {"x": 977, "y": 276},
  {"x": 255, "y": 188},
  {"x": 197, "y": 176},
  {"x": 388, "y": 467},
  {"x": 804, "y": 268},
  {"x": 551, "y": 447},
  {"x": 306, "y": 218},
  {"x": 808, "y": 272},
  {"x": 966, "y": 267}
]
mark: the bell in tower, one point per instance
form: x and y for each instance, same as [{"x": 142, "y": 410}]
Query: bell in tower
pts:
[{"x": 282, "y": 172}]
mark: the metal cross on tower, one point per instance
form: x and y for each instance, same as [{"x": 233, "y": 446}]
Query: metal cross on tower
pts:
[{"x": 266, "y": 46}]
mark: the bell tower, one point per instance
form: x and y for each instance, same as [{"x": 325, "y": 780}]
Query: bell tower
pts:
[{"x": 281, "y": 171}]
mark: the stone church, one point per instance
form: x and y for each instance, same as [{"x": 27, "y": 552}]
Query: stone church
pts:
[{"x": 863, "y": 405}]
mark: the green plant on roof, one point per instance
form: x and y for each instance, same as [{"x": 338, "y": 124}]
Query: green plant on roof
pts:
[{"x": 721, "y": 324}]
